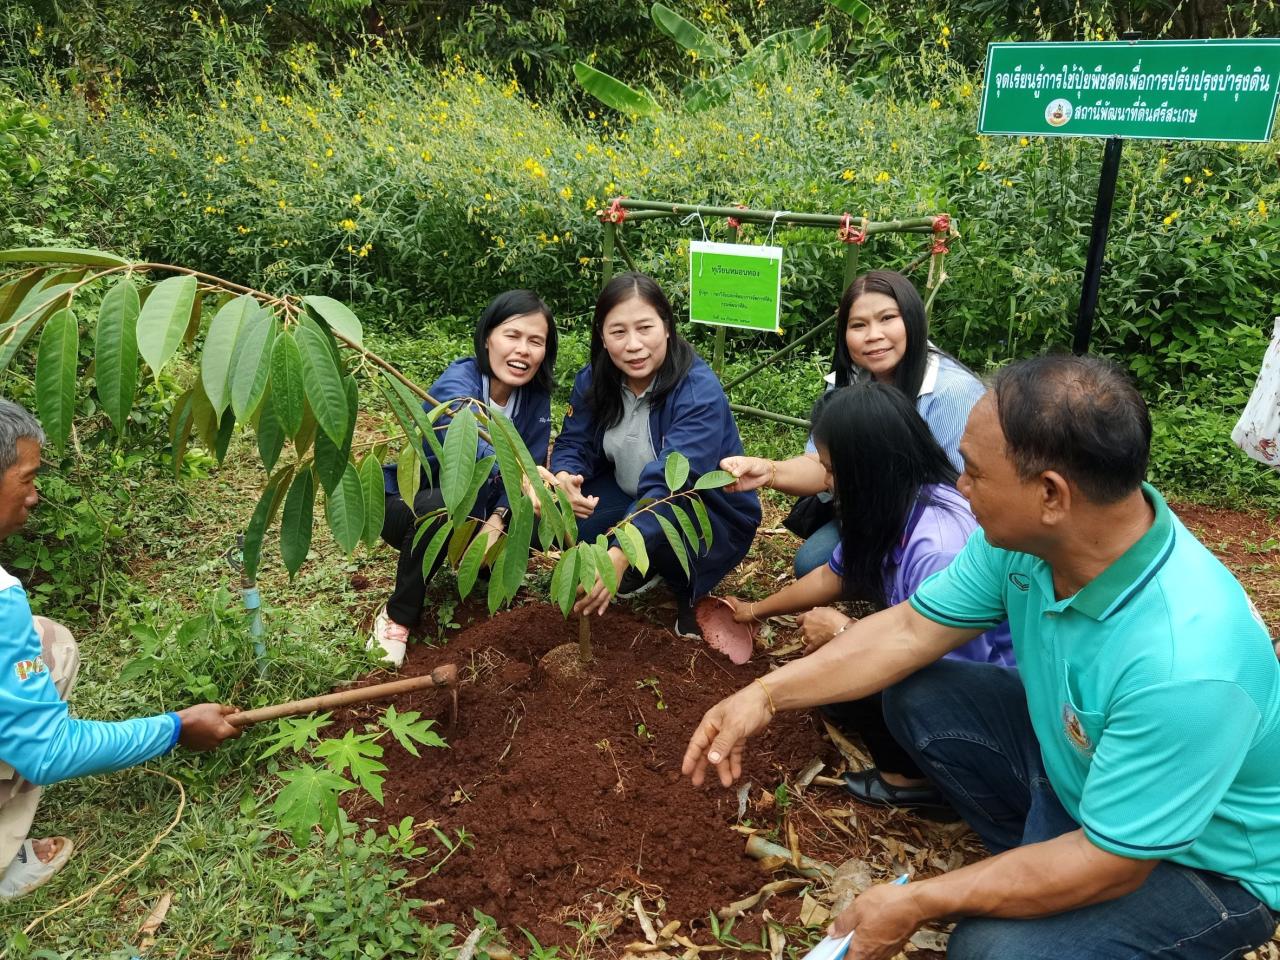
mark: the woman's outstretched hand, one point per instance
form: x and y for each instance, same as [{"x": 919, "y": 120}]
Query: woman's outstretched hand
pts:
[
  {"x": 721, "y": 737},
  {"x": 571, "y": 483},
  {"x": 820, "y": 625},
  {"x": 752, "y": 473}
]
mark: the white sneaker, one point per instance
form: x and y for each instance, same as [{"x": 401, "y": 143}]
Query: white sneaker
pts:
[
  {"x": 27, "y": 871},
  {"x": 391, "y": 637}
]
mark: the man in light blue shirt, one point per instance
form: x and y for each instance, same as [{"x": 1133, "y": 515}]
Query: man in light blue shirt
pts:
[
  {"x": 40, "y": 742},
  {"x": 1129, "y": 784}
]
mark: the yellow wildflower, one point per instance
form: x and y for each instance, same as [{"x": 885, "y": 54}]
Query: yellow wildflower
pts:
[
  {"x": 1186, "y": 179},
  {"x": 566, "y": 193},
  {"x": 348, "y": 225},
  {"x": 966, "y": 90},
  {"x": 281, "y": 203},
  {"x": 1024, "y": 142},
  {"x": 356, "y": 199},
  {"x": 847, "y": 174},
  {"x": 935, "y": 104},
  {"x": 1206, "y": 171},
  {"x": 1262, "y": 207},
  {"x": 983, "y": 165},
  {"x": 882, "y": 176}
]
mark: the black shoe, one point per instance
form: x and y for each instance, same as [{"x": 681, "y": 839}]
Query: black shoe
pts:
[
  {"x": 867, "y": 786},
  {"x": 633, "y": 583},
  {"x": 686, "y": 622}
]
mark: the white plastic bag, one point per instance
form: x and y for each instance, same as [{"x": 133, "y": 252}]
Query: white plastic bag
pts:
[{"x": 1258, "y": 432}]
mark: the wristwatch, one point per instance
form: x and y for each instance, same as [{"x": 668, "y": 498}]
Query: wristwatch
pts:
[{"x": 502, "y": 513}]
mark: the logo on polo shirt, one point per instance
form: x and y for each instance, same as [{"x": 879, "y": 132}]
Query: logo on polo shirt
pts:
[
  {"x": 1021, "y": 581},
  {"x": 26, "y": 669},
  {"x": 1074, "y": 730}
]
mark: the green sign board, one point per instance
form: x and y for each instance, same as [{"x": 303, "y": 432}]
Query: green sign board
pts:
[
  {"x": 732, "y": 285},
  {"x": 1155, "y": 90}
]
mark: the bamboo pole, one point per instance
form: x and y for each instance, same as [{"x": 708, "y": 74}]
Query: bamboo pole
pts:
[{"x": 444, "y": 677}]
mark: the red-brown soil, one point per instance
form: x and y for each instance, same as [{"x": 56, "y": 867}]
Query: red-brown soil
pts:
[{"x": 571, "y": 789}]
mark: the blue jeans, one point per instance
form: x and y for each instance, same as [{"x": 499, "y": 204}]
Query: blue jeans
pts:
[
  {"x": 817, "y": 550},
  {"x": 967, "y": 727}
]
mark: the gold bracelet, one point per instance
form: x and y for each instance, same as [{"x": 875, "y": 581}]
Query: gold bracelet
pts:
[
  {"x": 751, "y": 609},
  {"x": 773, "y": 711},
  {"x": 773, "y": 473}
]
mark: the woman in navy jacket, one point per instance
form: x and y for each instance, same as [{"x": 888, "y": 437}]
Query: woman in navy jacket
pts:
[
  {"x": 515, "y": 353},
  {"x": 644, "y": 394}
]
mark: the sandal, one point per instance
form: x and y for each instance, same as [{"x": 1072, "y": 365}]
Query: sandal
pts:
[{"x": 27, "y": 871}]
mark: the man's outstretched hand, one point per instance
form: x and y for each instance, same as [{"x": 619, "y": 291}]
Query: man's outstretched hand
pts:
[
  {"x": 204, "y": 726},
  {"x": 722, "y": 735}
]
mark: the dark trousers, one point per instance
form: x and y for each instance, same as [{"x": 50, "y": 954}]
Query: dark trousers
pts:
[
  {"x": 966, "y": 725},
  {"x": 865, "y": 717},
  {"x": 399, "y": 528}
]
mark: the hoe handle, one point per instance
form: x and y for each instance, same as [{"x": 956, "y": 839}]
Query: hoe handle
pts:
[{"x": 444, "y": 676}]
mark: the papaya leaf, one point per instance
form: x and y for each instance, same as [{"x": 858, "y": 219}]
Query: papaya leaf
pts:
[
  {"x": 163, "y": 320},
  {"x": 358, "y": 753},
  {"x": 308, "y": 799},
  {"x": 56, "y": 376},
  {"x": 410, "y": 730},
  {"x": 116, "y": 351}
]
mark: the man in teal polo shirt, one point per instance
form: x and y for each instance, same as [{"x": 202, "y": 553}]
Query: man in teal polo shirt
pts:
[{"x": 1129, "y": 782}]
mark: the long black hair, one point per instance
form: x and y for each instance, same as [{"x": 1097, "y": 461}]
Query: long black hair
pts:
[
  {"x": 605, "y": 396},
  {"x": 909, "y": 373},
  {"x": 503, "y": 307},
  {"x": 882, "y": 454}
]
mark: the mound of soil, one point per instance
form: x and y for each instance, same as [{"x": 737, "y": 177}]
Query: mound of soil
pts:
[{"x": 570, "y": 788}]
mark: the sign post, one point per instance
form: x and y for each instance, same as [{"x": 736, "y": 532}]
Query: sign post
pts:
[
  {"x": 1223, "y": 90},
  {"x": 735, "y": 285}
]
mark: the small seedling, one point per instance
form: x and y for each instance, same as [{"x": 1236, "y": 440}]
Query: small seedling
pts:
[
  {"x": 782, "y": 797},
  {"x": 651, "y": 684},
  {"x": 644, "y": 733}
]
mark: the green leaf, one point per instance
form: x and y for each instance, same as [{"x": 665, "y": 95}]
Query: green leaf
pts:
[
  {"x": 331, "y": 461},
  {"x": 686, "y": 34},
  {"x": 713, "y": 480},
  {"x": 515, "y": 556},
  {"x": 88, "y": 258},
  {"x": 223, "y": 440},
  {"x": 15, "y": 292},
  {"x": 309, "y": 799},
  {"x": 116, "y": 351},
  {"x": 856, "y": 9},
  {"x": 163, "y": 320},
  {"x": 461, "y": 539},
  {"x": 297, "y": 521},
  {"x": 566, "y": 514},
  {"x": 270, "y": 436},
  {"x": 204, "y": 422},
  {"x": 409, "y": 730},
  {"x": 287, "y": 395},
  {"x": 677, "y": 470},
  {"x": 514, "y": 463},
  {"x": 604, "y": 564},
  {"x": 257, "y": 528},
  {"x": 612, "y": 92},
  {"x": 339, "y": 318},
  {"x": 458, "y": 465},
  {"x": 180, "y": 423},
  {"x": 704, "y": 521},
  {"x": 686, "y": 527},
  {"x": 322, "y": 381},
  {"x": 479, "y": 477},
  {"x": 434, "y": 546},
  {"x": 219, "y": 349},
  {"x": 564, "y": 581},
  {"x": 358, "y": 753},
  {"x": 251, "y": 363},
  {"x": 631, "y": 540},
  {"x": 673, "y": 538},
  {"x": 586, "y": 566},
  {"x": 469, "y": 568},
  {"x": 344, "y": 510},
  {"x": 296, "y": 733},
  {"x": 408, "y": 475},
  {"x": 56, "y": 376},
  {"x": 375, "y": 498},
  {"x": 34, "y": 309}
]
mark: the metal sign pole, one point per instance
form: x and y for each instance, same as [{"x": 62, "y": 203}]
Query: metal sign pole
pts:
[{"x": 1097, "y": 244}]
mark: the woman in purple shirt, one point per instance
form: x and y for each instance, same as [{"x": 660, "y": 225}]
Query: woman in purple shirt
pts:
[{"x": 901, "y": 520}]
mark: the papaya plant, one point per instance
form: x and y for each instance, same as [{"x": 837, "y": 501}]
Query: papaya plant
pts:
[
  {"x": 289, "y": 368},
  {"x": 727, "y": 72}
]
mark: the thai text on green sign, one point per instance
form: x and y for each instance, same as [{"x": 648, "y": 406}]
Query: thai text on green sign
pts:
[
  {"x": 732, "y": 285},
  {"x": 1158, "y": 89}
]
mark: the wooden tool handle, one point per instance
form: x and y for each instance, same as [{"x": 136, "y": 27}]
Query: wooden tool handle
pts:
[{"x": 445, "y": 676}]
